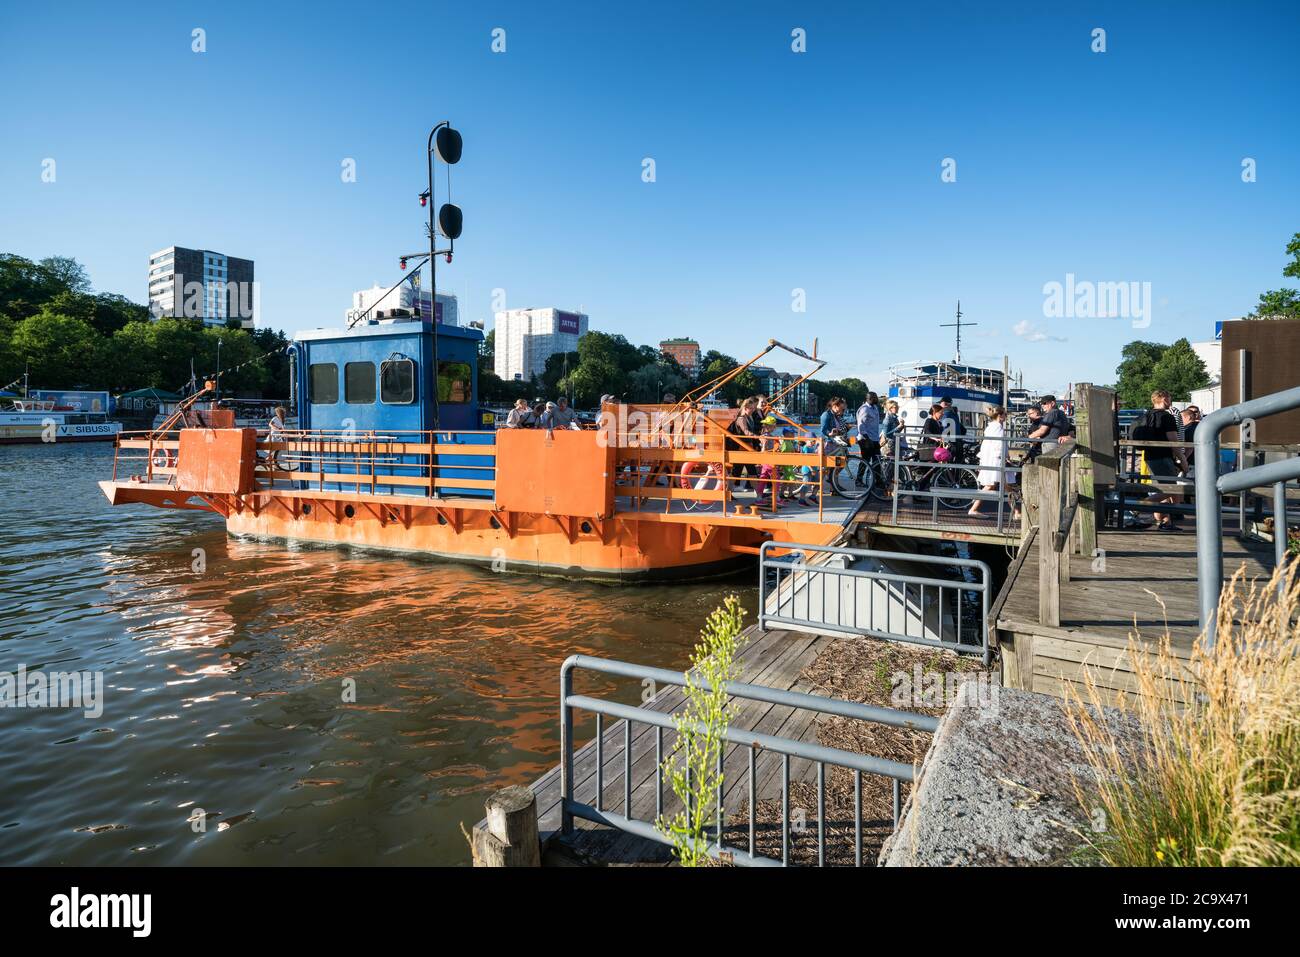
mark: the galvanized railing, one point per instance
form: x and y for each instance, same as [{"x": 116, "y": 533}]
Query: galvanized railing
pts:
[
  {"x": 753, "y": 743},
  {"x": 943, "y": 483},
  {"x": 1210, "y": 487},
  {"x": 842, "y": 599}
]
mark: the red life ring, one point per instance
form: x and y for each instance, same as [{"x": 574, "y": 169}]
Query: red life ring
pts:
[{"x": 162, "y": 459}]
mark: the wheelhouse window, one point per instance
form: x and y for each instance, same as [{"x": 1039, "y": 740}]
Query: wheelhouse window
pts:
[
  {"x": 454, "y": 382},
  {"x": 323, "y": 383},
  {"x": 397, "y": 381},
  {"x": 359, "y": 383}
]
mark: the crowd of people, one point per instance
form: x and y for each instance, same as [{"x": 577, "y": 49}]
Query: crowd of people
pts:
[
  {"x": 880, "y": 430},
  {"x": 542, "y": 415}
]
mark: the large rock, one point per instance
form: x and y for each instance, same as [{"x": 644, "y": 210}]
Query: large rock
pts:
[{"x": 996, "y": 787}]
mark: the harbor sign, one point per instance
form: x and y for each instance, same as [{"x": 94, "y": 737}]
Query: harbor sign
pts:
[{"x": 71, "y": 400}]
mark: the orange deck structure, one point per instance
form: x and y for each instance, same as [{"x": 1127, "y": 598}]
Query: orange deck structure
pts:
[{"x": 610, "y": 503}]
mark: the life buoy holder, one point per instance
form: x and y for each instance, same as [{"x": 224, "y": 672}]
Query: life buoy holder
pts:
[{"x": 163, "y": 459}]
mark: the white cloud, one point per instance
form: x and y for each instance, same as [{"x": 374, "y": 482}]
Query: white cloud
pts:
[{"x": 1030, "y": 333}]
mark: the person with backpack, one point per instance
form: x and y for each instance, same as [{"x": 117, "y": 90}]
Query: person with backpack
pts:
[
  {"x": 952, "y": 427},
  {"x": 1163, "y": 463}
]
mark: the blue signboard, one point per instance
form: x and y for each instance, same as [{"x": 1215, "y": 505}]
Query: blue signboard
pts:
[
  {"x": 76, "y": 401},
  {"x": 1218, "y": 332}
]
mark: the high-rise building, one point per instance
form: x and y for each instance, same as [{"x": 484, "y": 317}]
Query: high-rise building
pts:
[
  {"x": 526, "y": 338},
  {"x": 201, "y": 284},
  {"x": 400, "y": 303},
  {"x": 686, "y": 352}
]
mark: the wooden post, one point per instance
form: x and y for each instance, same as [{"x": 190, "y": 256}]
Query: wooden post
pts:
[
  {"x": 1049, "y": 520},
  {"x": 510, "y": 839},
  {"x": 1094, "y": 425},
  {"x": 1028, "y": 498}
]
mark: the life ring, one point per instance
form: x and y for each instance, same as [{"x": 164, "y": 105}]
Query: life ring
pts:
[
  {"x": 162, "y": 459},
  {"x": 687, "y": 478}
]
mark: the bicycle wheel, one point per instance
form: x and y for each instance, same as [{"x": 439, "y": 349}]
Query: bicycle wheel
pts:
[
  {"x": 844, "y": 478},
  {"x": 881, "y": 477},
  {"x": 954, "y": 479}
]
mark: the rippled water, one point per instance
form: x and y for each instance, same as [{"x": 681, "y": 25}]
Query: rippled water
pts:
[{"x": 224, "y": 690}]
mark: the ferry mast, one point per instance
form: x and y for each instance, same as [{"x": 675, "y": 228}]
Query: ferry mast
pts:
[{"x": 958, "y": 324}]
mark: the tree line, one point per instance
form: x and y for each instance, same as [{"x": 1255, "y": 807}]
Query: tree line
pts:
[
  {"x": 608, "y": 364},
  {"x": 1176, "y": 368},
  {"x": 67, "y": 336}
]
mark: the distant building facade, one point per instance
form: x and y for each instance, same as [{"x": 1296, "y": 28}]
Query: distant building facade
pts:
[
  {"x": 686, "y": 352},
  {"x": 526, "y": 338},
  {"x": 771, "y": 382},
  {"x": 399, "y": 303},
  {"x": 201, "y": 284}
]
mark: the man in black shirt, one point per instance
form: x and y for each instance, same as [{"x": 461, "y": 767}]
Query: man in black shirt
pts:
[
  {"x": 1054, "y": 427},
  {"x": 1165, "y": 463}
]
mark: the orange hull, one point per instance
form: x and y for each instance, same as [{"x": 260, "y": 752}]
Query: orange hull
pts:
[
  {"x": 568, "y": 504},
  {"x": 614, "y": 548}
]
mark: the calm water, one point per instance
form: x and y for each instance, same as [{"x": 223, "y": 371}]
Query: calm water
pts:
[{"x": 223, "y": 690}]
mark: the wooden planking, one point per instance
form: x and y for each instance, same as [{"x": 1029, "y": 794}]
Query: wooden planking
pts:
[
  {"x": 772, "y": 659},
  {"x": 1142, "y": 570},
  {"x": 767, "y": 658}
]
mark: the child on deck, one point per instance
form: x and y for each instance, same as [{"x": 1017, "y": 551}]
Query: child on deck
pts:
[
  {"x": 789, "y": 474},
  {"x": 806, "y": 493},
  {"x": 766, "y": 473}
]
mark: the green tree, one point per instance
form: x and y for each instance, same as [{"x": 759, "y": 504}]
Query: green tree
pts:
[
  {"x": 69, "y": 274},
  {"x": 62, "y": 352},
  {"x": 1138, "y": 362},
  {"x": 1278, "y": 304},
  {"x": 1282, "y": 303},
  {"x": 1179, "y": 371}
]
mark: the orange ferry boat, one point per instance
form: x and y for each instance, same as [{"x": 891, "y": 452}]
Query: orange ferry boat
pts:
[{"x": 645, "y": 495}]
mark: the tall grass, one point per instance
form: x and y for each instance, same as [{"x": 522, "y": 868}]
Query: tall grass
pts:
[{"x": 1215, "y": 778}]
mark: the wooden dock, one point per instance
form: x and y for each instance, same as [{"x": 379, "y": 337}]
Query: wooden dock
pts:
[
  {"x": 1141, "y": 583},
  {"x": 774, "y": 659}
]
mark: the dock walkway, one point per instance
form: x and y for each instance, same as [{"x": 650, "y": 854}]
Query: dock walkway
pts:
[
  {"x": 774, "y": 659},
  {"x": 1142, "y": 582}
]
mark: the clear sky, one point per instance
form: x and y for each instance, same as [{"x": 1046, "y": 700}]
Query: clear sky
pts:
[{"x": 775, "y": 171}]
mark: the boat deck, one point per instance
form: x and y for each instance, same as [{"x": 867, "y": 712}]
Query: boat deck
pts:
[{"x": 835, "y": 510}]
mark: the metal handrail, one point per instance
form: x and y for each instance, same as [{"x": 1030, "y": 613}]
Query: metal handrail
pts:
[
  {"x": 1210, "y": 487},
  {"x": 983, "y": 587},
  {"x": 753, "y": 741}
]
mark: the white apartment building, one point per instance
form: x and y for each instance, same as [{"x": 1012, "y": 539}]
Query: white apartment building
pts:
[
  {"x": 526, "y": 338},
  {"x": 382, "y": 301}
]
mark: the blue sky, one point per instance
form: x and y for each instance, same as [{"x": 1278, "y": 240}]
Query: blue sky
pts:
[{"x": 775, "y": 170}]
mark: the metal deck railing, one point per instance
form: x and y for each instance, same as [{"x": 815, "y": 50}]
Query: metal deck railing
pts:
[
  {"x": 876, "y": 602},
  {"x": 754, "y": 742},
  {"x": 1210, "y": 487}
]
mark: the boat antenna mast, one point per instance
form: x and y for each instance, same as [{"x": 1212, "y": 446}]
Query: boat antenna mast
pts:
[{"x": 958, "y": 324}]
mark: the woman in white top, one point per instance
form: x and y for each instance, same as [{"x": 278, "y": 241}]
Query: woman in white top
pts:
[{"x": 993, "y": 453}]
